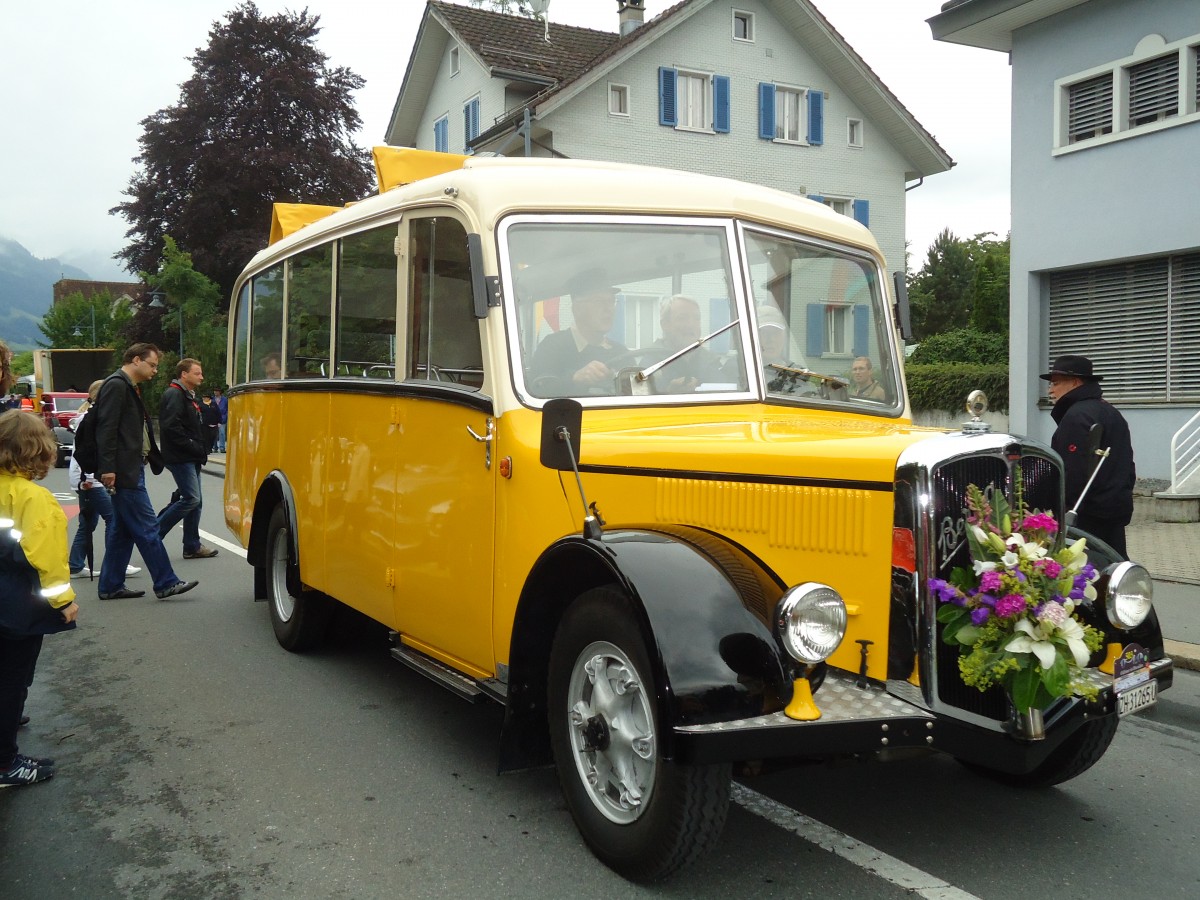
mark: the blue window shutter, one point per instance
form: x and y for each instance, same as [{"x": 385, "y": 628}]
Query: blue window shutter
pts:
[
  {"x": 666, "y": 97},
  {"x": 475, "y": 118},
  {"x": 470, "y": 123},
  {"x": 862, "y": 322},
  {"x": 815, "y": 339},
  {"x": 817, "y": 198},
  {"x": 441, "y": 135},
  {"x": 766, "y": 111},
  {"x": 721, "y": 104},
  {"x": 816, "y": 117},
  {"x": 862, "y": 213}
]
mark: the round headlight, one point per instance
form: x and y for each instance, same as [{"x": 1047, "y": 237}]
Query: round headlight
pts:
[
  {"x": 811, "y": 621},
  {"x": 1129, "y": 594}
]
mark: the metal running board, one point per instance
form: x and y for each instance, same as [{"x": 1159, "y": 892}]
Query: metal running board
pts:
[{"x": 438, "y": 672}]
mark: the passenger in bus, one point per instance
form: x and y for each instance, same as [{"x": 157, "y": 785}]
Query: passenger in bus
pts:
[
  {"x": 583, "y": 359},
  {"x": 679, "y": 319},
  {"x": 271, "y": 367},
  {"x": 864, "y": 386}
]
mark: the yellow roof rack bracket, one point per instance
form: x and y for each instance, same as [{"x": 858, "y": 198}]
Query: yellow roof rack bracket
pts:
[
  {"x": 287, "y": 218},
  {"x": 395, "y": 166}
]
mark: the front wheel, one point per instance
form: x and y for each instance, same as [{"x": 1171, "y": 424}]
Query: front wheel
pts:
[
  {"x": 643, "y": 815},
  {"x": 300, "y": 618},
  {"x": 1078, "y": 753}
]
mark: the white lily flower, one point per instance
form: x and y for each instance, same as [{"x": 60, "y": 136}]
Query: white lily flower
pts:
[
  {"x": 1073, "y": 632},
  {"x": 1089, "y": 592},
  {"x": 980, "y": 534},
  {"x": 1032, "y": 640}
]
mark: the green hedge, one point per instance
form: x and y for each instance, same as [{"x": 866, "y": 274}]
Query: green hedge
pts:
[{"x": 946, "y": 386}]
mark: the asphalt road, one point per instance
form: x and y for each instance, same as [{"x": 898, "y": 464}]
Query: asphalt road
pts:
[{"x": 197, "y": 759}]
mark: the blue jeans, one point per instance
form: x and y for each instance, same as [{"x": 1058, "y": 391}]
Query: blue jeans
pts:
[
  {"x": 187, "y": 507},
  {"x": 133, "y": 523},
  {"x": 221, "y": 438},
  {"x": 94, "y": 505}
]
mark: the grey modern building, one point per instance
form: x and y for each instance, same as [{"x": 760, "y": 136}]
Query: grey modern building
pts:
[{"x": 1105, "y": 200}]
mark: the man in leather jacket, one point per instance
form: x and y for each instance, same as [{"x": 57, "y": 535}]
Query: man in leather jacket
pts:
[
  {"x": 1078, "y": 406},
  {"x": 125, "y": 443},
  {"x": 185, "y": 451}
]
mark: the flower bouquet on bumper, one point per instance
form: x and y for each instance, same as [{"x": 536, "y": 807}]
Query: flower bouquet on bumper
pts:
[{"x": 1014, "y": 610}]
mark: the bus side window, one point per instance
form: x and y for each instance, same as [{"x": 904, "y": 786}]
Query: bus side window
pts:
[
  {"x": 310, "y": 285},
  {"x": 366, "y": 305},
  {"x": 266, "y": 324},
  {"x": 443, "y": 331}
]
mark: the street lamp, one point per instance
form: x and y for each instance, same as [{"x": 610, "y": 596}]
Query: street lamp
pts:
[
  {"x": 78, "y": 332},
  {"x": 156, "y": 302}
]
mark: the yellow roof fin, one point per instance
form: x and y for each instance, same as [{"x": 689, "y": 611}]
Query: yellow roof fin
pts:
[
  {"x": 287, "y": 218},
  {"x": 395, "y": 166}
]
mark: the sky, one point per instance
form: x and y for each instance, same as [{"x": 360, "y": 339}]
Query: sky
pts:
[{"x": 78, "y": 76}]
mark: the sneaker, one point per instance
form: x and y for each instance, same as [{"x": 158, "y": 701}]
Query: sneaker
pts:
[
  {"x": 132, "y": 570},
  {"x": 24, "y": 721},
  {"x": 83, "y": 572},
  {"x": 200, "y": 552},
  {"x": 25, "y": 771},
  {"x": 179, "y": 587},
  {"x": 122, "y": 594},
  {"x": 37, "y": 760}
]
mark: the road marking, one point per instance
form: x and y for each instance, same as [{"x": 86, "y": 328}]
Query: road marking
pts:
[
  {"x": 862, "y": 855},
  {"x": 224, "y": 544}
]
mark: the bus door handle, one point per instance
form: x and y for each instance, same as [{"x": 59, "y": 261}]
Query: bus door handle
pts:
[{"x": 485, "y": 439}]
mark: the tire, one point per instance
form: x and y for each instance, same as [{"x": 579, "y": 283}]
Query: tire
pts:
[
  {"x": 645, "y": 816},
  {"x": 300, "y": 620},
  {"x": 1078, "y": 753}
]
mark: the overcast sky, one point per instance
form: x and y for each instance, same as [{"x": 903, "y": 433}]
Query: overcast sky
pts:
[{"x": 77, "y": 76}]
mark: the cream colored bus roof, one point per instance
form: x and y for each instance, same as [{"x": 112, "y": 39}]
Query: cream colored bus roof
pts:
[{"x": 490, "y": 187}]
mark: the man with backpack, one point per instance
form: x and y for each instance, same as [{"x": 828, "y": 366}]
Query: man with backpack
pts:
[
  {"x": 185, "y": 451},
  {"x": 124, "y": 444}
]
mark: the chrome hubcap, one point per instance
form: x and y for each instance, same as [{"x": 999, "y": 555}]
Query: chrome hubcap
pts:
[
  {"x": 284, "y": 603},
  {"x": 612, "y": 732}
]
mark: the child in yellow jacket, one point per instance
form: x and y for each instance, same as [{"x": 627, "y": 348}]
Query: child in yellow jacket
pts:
[{"x": 35, "y": 583}]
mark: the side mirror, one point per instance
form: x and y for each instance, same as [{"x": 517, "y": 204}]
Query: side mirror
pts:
[
  {"x": 562, "y": 422},
  {"x": 903, "y": 316}
]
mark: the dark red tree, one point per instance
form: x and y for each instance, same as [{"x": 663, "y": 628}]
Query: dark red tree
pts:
[{"x": 262, "y": 119}]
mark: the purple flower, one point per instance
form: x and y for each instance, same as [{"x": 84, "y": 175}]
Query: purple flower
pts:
[
  {"x": 1010, "y": 605},
  {"x": 986, "y": 599},
  {"x": 945, "y": 592},
  {"x": 1088, "y": 572},
  {"x": 980, "y": 615},
  {"x": 989, "y": 581}
]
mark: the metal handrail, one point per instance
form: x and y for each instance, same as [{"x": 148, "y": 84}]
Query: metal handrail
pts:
[{"x": 1185, "y": 453}]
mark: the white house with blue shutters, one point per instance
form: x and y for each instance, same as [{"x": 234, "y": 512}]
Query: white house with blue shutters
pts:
[
  {"x": 1105, "y": 235},
  {"x": 760, "y": 90}
]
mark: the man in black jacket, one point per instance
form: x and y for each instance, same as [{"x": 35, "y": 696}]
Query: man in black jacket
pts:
[
  {"x": 185, "y": 451},
  {"x": 125, "y": 443},
  {"x": 1078, "y": 406}
]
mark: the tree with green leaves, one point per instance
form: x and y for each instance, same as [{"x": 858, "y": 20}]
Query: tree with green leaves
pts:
[
  {"x": 264, "y": 118},
  {"x": 963, "y": 284},
  {"x": 70, "y": 321}
]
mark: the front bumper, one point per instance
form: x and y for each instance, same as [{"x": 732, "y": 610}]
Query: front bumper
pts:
[{"x": 864, "y": 719}]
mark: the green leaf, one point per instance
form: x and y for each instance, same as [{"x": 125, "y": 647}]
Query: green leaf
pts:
[
  {"x": 1057, "y": 678},
  {"x": 1024, "y": 686}
]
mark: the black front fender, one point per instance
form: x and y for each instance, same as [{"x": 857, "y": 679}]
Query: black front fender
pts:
[{"x": 703, "y": 605}]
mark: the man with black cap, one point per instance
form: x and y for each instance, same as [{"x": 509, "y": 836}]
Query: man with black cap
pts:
[
  {"x": 1079, "y": 406},
  {"x": 582, "y": 359}
]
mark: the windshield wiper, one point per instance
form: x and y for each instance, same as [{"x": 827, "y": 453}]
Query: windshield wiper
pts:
[
  {"x": 645, "y": 373},
  {"x": 805, "y": 372}
]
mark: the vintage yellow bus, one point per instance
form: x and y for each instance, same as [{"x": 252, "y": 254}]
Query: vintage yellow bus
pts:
[{"x": 595, "y": 443}]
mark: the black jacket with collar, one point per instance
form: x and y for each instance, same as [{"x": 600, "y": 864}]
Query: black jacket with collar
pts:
[
  {"x": 1111, "y": 494},
  {"x": 121, "y": 421},
  {"x": 180, "y": 426}
]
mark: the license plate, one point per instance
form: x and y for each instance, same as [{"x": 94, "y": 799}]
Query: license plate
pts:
[{"x": 1140, "y": 697}]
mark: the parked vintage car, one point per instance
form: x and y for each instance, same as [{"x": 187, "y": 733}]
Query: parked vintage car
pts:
[
  {"x": 584, "y": 437},
  {"x": 60, "y": 407}
]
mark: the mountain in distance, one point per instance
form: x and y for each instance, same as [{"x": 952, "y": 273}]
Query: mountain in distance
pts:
[{"x": 26, "y": 292}]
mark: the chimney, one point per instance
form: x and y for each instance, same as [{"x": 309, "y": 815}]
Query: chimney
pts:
[{"x": 631, "y": 14}]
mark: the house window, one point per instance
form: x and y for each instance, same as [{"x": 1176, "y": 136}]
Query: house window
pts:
[
  {"x": 837, "y": 323},
  {"x": 470, "y": 122},
  {"x": 792, "y": 115},
  {"x": 857, "y": 209},
  {"x": 453, "y": 61},
  {"x": 441, "y": 135},
  {"x": 618, "y": 99},
  {"x": 1154, "y": 90},
  {"x": 693, "y": 101},
  {"x": 789, "y": 105},
  {"x": 743, "y": 26},
  {"x": 854, "y": 132},
  {"x": 1157, "y": 87},
  {"x": 1148, "y": 310}
]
